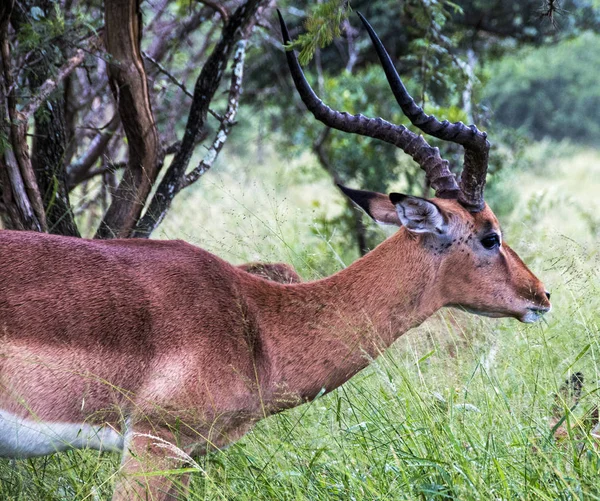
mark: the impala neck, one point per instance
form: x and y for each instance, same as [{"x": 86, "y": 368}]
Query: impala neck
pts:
[{"x": 321, "y": 333}]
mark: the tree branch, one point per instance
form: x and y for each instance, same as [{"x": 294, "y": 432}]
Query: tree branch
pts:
[
  {"x": 103, "y": 169},
  {"x": 172, "y": 32},
  {"x": 179, "y": 84},
  {"x": 77, "y": 172},
  {"x": 165, "y": 72},
  {"x": 218, "y": 7},
  {"x": 52, "y": 83},
  {"x": 238, "y": 27},
  {"x": 228, "y": 118},
  {"x": 16, "y": 162}
]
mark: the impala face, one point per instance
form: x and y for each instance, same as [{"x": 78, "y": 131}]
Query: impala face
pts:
[{"x": 483, "y": 274}]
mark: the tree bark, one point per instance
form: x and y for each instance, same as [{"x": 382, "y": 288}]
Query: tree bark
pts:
[
  {"x": 20, "y": 194},
  {"x": 127, "y": 76},
  {"x": 49, "y": 144}
]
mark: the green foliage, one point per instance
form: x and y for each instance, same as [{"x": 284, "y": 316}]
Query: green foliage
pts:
[
  {"x": 43, "y": 39},
  {"x": 322, "y": 26},
  {"x": 551, "y": 91},
  {"x": 41, "y": 29}
]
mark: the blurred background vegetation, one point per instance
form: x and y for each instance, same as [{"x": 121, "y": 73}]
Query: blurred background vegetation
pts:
[
  {"x": 460, "y": 408},
  {"x": 522, "y": 70}
]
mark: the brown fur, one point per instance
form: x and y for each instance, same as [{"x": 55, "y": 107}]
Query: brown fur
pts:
[
  {"x": 183, "y": 346},
  {"x": 276, "y": 272}
]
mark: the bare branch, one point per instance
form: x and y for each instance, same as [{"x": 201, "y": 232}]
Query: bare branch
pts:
[
  {"x": 228, "y": 118},
  {"x": 165, "y": 72},
  {"x": 238, "y": 28},
  {"x": 52, "y": 83},
  {"x": 218, "y": 7},
  {"x": 179, "y": 84},
  {"x": 105, "y": 168},
  {"x": 159, "y": 9},
  {"x": 77, "y": 172},
  {"x": 173, "y": 148},
  {"x": 169, "y": 32}
]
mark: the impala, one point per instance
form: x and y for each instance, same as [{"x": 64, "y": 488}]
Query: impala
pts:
[{"x": 160, "y": 349}]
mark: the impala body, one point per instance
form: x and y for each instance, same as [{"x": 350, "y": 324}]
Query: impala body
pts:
[
  {"x": 106, "y": 342},
  {"x": 142, "y": 346}
]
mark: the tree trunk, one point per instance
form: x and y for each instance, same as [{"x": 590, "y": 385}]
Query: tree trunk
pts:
[
  {"x": 49, "y": 148},
  {"x": 48, "y": 155},
  {"x": 123, "y": 25},
  {"x": 237, "y": 27},
  {"x": 20, "y": 193}
]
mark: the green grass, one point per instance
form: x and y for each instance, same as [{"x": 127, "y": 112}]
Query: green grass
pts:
[{"x": 457, "y": 409}]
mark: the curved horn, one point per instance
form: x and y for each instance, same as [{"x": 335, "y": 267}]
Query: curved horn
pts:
[
  {"x": 436, "y": 169},
  {"x": 475, "y": 143}
]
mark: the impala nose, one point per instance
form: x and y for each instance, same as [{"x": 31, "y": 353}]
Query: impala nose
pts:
[{"x": 547, "y": 295}]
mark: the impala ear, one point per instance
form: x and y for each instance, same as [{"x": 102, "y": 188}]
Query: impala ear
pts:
[
  {"x": 376, "y": 205},
  {"x": 418, "y": 214}
]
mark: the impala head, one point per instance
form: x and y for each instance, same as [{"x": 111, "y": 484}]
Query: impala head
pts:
[
  {"x": 476, "y": 269},
  {"x": 456, "y": 231}
]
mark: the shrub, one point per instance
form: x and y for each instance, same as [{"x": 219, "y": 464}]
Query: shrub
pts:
[{"x": 550, "y": 91}]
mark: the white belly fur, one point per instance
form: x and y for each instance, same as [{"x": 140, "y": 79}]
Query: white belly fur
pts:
[{"x": 25, "y": 438}]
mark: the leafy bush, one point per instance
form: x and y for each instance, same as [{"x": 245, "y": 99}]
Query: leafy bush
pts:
[{"x": 551, "y": 91}]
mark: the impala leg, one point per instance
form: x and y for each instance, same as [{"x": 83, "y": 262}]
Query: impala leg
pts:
[{"x": 146, "y": 469}]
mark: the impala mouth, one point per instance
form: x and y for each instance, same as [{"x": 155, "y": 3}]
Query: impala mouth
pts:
[{"x": 534, "y": 313}]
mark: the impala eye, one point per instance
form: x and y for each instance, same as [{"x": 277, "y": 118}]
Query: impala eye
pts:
[{"x": 491, "y": 241}]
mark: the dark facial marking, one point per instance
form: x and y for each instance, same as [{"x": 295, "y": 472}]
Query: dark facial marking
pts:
[{"x": 487, "y": 227}]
